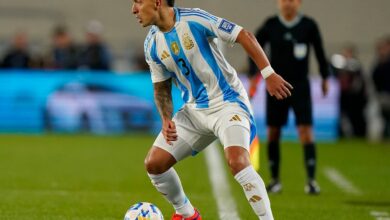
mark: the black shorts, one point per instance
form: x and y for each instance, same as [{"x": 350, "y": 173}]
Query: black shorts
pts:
[{"x": 300, "y": 101}]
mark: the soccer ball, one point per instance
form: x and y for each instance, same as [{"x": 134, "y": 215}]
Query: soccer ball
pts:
[{"x": 144, "y": 211}]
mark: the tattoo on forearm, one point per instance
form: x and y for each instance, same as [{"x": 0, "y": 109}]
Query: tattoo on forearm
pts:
[{"x": 163, "y": 98}]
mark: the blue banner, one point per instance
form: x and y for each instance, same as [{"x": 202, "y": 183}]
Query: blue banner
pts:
[
  {"x": 60, "y": 101},
  {"x": 108, "y": 103}
]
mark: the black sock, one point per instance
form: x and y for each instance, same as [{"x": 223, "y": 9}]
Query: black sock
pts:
[
  {"x": 310, "y": 160},
  {"x": 274, "y": 159}
]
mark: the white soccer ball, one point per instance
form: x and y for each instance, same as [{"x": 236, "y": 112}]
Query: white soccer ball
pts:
[{"x": 144, "y": 211}]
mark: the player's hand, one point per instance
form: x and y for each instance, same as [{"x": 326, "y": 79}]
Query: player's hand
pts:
[
  {"x": 325, "y": 87},
  {"x": 278, "y": 87},
  {"x": 169, "y": 131}
]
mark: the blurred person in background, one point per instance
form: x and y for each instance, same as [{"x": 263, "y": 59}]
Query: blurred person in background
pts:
[
  {"x": 64, "y": 54},
  {"x": 37, "y": 61},
  {"x": 140, "y": 63},
  {"x": 290, "y": 35},
  {"x": 17, "y": 56},
  {"x": 95, "y": 55},
  {"x": 381, "y": 78},
  {"x": 353, "y": 92}
]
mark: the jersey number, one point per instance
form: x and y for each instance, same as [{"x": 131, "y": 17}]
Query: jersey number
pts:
[{"x": 184, "y": 65}]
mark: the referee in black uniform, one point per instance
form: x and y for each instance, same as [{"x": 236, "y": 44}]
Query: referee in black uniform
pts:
[{"x": 289, "y": 36}]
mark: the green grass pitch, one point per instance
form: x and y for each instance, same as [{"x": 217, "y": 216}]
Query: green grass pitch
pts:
[{"x": 89, "y": 177}]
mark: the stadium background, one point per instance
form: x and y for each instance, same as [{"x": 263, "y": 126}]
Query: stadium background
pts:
[
  {"x": 361, "y": 22},
  {"x": 85, "y": 176}
]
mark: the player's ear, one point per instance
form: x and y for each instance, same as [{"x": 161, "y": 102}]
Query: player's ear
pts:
[{"x": 158, "y": 3}]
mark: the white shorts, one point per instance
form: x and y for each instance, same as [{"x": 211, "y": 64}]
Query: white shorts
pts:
[{"x": 197, "y": 128}]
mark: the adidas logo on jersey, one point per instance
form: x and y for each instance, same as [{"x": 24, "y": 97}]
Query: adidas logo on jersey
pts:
[
  {"x": 164, "y": 55},
  {"x": 235, "y": 118}
]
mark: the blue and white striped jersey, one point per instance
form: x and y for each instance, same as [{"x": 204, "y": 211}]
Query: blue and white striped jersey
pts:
[{"x": 189, "y": 54}]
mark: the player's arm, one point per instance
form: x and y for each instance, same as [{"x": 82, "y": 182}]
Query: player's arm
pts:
[
  {"x": 163, "y": 100},
  {"x": 276, "y": 85},
  {"x": 162, "y": 85},
  {"x": 232, "y": 33},
  {"x": 320, "y": 54},
  {"x": 254, "y": 73}
]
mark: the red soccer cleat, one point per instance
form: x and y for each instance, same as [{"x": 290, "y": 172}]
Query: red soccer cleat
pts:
[{"x": 196, "y": 216}]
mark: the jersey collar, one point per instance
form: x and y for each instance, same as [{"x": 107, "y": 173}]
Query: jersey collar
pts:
[
  {"x": 177, "y": 14},
  {"x": 292, "y": 23},
  {"x": 177, "y": 19}
]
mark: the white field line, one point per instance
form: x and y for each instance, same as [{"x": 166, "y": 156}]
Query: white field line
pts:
[
  {"x": 380, "y": 215},
  {"x": 341, "y": 181},
  {"x": 227, "y": 208}
]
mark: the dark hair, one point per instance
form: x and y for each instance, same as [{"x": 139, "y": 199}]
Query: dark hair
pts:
[{"x": 171, "y": 3}]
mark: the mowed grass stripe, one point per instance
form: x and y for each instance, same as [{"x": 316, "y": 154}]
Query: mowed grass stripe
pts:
[
  {"x": 341, "y": 181},
  {"x": 227, "y": 208}
]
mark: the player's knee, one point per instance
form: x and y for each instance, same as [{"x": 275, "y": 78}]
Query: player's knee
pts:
[
  {"x": 150, "y": 165},
  {"x": 158, "y": 161},
  {"x": 306, "y": 140},
  {"x": 273, "y": 134},
  {"x": 238, "y": 163},
  {"x": 305, "y": 134},
  {"x": 153, "y": 166}
]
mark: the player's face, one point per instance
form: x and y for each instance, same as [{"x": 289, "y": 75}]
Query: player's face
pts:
[
  {"x": 145, "y": 11},
  {"x": 289, "y": 7}
]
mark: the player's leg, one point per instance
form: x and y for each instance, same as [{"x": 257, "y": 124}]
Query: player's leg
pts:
[
  {"x": 251, "y": 182},
  {"x": 305, "y": 133},
  {"x": 158, "y": 161},
  {"x": 277, "y": 115},
  {"x": 273, "y": 137},
  {"x": 386, "y": 130},
  {"x": 302, "y": 106},
  {"x": 253, "y": 185},
  {"x": 310, "y": 157},
  {"x": 159, "y": 165},
  {"x": 235, "y": 136}
]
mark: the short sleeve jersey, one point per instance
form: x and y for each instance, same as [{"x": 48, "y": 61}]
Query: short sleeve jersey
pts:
[{"x": 189, "y": 54}]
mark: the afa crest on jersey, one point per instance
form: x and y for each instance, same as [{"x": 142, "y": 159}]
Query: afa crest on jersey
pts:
[
  {"x": 175, "y": 48},
  {"x": 188, "y": 42}
]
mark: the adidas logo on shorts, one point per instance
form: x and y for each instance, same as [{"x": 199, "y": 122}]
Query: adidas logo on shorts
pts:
[{"x": 235, "y": 118}]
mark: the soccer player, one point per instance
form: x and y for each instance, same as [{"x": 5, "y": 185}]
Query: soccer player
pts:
[
  {"x": 289, "y": 36},
  {"x": 181, "y": 47}
]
